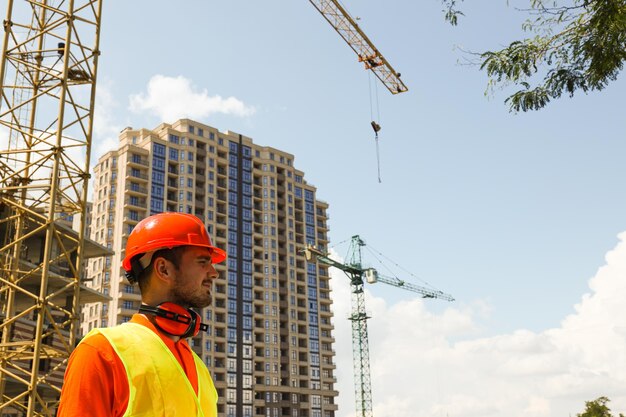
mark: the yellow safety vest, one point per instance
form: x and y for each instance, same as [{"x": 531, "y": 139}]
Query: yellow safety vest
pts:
[{"x": 158, "y": 384}]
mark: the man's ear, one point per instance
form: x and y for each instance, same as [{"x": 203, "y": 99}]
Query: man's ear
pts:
[{"x": 163, "y": 270}]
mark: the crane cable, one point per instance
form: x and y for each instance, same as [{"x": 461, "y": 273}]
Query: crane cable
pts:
[
  {"x": 375, "y": 125},
  {"x": 371, "y": 249}
]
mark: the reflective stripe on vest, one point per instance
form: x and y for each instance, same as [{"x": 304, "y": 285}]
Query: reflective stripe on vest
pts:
[{"x": 158, "y": 385}]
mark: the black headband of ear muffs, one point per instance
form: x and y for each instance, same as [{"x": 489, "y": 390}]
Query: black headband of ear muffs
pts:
[
  {"x": 135, "y": 270},
  {"x": 175, "y": 320}
]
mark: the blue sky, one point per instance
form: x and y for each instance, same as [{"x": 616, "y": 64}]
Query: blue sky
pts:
[{"x": 512, "y": 214}]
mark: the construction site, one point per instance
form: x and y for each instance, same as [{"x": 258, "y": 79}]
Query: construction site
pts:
[
  {"x": 269, "y": 343},
  {"x": 253, "y": 120}
]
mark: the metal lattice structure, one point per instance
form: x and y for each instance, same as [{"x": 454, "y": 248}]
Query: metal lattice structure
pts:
[
  {"x": 47, "y": 91},
  {"x": 360, "y": 340},
  {"x": 349, "y": 30}
]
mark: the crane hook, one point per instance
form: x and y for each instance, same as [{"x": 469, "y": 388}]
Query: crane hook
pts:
[{"x": 377, "y": 128}]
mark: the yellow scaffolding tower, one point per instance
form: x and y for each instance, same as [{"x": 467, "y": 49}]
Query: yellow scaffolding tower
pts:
[{"x": 48, "y": 81}]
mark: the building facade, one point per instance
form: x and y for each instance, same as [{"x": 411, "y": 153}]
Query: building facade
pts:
[{"x": 269, "y": 346}]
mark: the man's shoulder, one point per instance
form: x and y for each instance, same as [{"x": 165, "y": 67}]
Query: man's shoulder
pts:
[
  {"x": 94, "y": 347},
  {"x": 94, "y": 339}
]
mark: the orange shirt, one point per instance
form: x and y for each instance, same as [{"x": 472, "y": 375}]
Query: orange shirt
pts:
[{"x": 95, "y": 381}]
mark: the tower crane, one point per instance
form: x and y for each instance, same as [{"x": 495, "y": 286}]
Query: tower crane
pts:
[
  {"x": 360, "y": 344},
  {"x": 349, "y": 30}
]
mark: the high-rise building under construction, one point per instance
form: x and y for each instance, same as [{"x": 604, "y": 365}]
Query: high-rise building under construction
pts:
[{"x": 269, "y": 343}]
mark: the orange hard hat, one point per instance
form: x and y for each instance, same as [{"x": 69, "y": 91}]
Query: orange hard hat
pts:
[{"x": 167, "y": 230}]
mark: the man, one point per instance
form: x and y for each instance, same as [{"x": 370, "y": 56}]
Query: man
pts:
[{"x": 145, "y": 367}]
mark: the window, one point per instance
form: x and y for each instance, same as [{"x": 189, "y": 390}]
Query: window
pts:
[
  {"x": 156, "y": 206},
  {"x": 158, "y": 149},
  {"x": 157, "y": 191},
  {"x": 157, "y": 177}
]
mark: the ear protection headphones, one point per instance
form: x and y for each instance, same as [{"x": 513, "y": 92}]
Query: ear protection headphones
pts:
[{"x": 175, "y": 320}]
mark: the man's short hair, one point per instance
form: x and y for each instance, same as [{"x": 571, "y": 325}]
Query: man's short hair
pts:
[{"x": 174, "y": 255}]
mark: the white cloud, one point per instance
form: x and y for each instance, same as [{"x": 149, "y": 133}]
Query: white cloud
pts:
[
  {"x": 172, "y": 98},
  {"x": 105, "y": 129},
  {"x": 417, "y": 369}
]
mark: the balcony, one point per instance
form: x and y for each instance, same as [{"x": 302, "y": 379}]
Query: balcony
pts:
[
  {"x": 126, "y": 311},
  {"x": 131, "y": 219},
  {"x": 137, "y": 160},
  {"x": 136, "y": 202},
  {"x": 136, "y": 189},
  {"x": 134, "y": 174}
]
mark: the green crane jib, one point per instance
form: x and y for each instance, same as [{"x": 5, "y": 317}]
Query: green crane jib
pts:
[{"x": 360, "y": 342}]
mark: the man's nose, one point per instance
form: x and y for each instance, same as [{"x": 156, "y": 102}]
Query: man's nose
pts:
[{"x": 212, "y": 272}]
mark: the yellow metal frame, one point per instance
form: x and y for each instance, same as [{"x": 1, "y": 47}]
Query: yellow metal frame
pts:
[
  {"x": 348, "y": 29},
  {"x": 47, "y": 91}
]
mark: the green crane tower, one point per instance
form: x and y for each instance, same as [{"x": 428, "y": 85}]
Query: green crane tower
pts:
[{"x": 360, "y": 343}]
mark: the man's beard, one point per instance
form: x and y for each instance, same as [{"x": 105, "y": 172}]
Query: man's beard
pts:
[{"x": 188, "y": 298}]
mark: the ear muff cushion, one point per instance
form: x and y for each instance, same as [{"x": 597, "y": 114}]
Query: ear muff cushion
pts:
[
  {"x": 193, "y": 330},
  {"x": 174, "y": 319}
]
